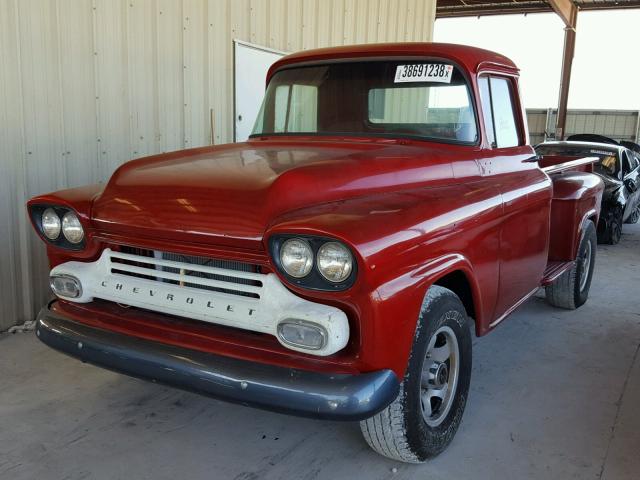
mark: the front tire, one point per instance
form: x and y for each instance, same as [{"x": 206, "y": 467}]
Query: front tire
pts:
[
  {"x": 421, "y": 422},
  {"x": 571, "y": 289}
]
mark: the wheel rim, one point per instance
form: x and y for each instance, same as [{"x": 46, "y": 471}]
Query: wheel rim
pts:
[
  {"x": 586, "y": 265},
  {"x": 439, "y": 380},
  {"x": 617, "y": 232}
]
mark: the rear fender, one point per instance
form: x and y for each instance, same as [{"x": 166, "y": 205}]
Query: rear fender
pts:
[
  {"x": 590, "y": 216},
  {"x": 577, "y": 197}
]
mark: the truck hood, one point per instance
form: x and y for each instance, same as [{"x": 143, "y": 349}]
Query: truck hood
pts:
[{"x": 232, "y": 193}]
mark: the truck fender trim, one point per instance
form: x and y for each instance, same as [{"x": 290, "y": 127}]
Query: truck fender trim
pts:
[
  {"x": 443, "y": 266},
  {"x": 429, "y": 273},
  {"x": 593, "y": 213}
]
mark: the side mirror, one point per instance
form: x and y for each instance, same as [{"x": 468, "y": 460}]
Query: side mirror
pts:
[{"x": 631, "y": 185}]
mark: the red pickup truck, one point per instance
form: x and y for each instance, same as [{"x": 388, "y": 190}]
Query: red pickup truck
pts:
[{"x": 336, "y": 264}]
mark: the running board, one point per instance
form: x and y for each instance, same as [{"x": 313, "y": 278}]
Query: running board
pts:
[
  {"x": 514, "y": 307},
  {"x": 554, "y": 270}
]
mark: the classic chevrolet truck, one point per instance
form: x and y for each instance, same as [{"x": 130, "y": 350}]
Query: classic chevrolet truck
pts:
[{"x": 336, "y": 265}]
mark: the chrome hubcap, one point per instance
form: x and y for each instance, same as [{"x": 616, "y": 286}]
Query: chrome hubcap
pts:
[
  {"x": 439, "y": 376},
  {"x": 586, "y": 264}
]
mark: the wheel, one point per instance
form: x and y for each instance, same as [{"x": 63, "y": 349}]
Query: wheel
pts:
[
  {"x": 571, "y": 289},
  {"x": 635, "y": 215},
  {"x": 610, "y": 228},
  {"x": 423, "y": 419}
]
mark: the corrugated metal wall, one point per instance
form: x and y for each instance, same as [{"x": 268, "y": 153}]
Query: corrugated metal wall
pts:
[
  {"x": 616, "y": 124},
  {"x": 88, "y": 84}
]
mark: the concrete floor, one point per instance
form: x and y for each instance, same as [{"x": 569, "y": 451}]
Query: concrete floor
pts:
[{"x": 555, "y": 394}]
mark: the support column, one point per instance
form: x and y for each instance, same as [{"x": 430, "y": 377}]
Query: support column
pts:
[{"x": 571, "y": 21}]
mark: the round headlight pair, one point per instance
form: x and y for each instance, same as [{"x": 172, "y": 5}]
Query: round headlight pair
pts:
[
  {"x": 69, "y": 225},
  {"x": 334, "y": 260}
]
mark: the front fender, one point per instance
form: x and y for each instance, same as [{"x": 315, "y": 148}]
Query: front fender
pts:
[
  {"x": 398, "y": 302},
  {"x": 80, "y": 200},
  {"x": 405, "y": 242}
]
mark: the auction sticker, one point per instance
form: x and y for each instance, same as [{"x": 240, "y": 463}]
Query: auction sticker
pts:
[{"x": 424, "y": 72}]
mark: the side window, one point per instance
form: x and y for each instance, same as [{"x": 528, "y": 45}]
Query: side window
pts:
[
  {"x": 633, "y": 161},
  {"x": 504, "y": 119},
  {"x": 626, "y": 164},
  {"x": 487, "y": 113},
  {"x": 499, "y": 114}
]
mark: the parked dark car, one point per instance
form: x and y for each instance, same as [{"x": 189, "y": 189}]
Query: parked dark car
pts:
[{"x": 619, "y": 166}]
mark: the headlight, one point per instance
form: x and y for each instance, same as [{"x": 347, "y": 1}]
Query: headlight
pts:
[
  {"x": 335, "y": 262},
  {"x": 72, "y": 228},
  {"x": 314, "y": 262},
  {"x": 296, "y": 257},
  {"x": 50, "y": 224}
]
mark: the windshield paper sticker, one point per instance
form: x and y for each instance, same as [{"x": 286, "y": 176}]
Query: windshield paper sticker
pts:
[{"x": 425, "y": 72}]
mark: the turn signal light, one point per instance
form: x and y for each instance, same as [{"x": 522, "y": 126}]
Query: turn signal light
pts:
[
  {"x": 65, "y": 286},
  {"x": 302, "y": 334}
]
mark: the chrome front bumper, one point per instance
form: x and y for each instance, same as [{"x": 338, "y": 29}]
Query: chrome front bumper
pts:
[{"x": 285, "y": 390}]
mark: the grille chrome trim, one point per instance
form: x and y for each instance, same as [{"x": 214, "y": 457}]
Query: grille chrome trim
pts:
[
  {"x": 260, "y": 307},
  {"x": 184, "y": 278},
  {"x": 193, "y": 267},
  {"x": 234, "y": 281}
]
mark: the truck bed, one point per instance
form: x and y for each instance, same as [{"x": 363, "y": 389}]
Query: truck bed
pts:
[
  {"x": 569, "y": 209},
  {"x": 551, "y": 164}
]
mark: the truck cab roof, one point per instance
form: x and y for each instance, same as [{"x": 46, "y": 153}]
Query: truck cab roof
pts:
[{"x": 471, "y": 59}]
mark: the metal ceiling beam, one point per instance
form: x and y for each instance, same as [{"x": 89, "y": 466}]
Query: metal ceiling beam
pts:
[
  {"x": 461, "y": 8},
  {"x": 473, "y": 8},
  {"x": 566, "y": 10}
]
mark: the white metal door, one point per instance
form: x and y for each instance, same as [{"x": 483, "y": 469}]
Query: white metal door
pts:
[{"x": 250, "y": 71}]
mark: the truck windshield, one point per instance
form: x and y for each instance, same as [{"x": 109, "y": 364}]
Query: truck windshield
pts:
[{"x": 425, "y": 99}]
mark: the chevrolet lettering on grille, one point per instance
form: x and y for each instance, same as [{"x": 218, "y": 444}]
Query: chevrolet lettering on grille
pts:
[{"x": 175, "y": 297}]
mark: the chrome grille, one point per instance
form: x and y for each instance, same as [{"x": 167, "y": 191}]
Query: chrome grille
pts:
[{"x": 225, "y": 276}]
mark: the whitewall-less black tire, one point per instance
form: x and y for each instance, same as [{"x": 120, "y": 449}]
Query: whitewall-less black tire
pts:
[
  {"x": 421, "y": 422},
  {"x": 571, "y": 289}
]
